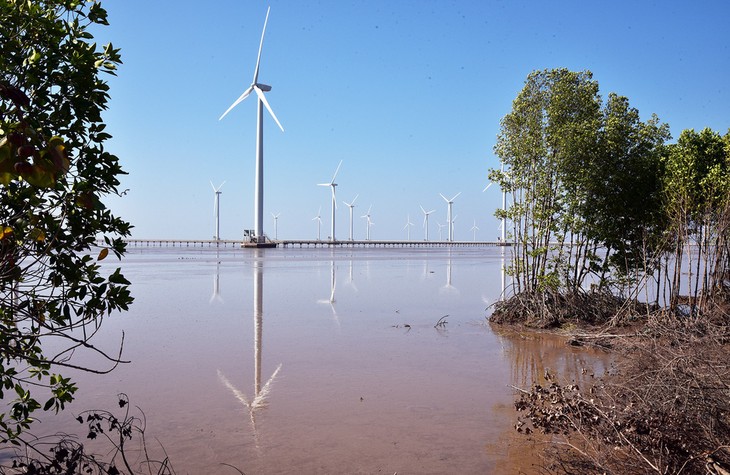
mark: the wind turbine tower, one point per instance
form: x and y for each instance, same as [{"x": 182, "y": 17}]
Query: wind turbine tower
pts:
[
  {"x": 369, "y": 223},
  {"x": 318, "y": 218},
  {"x": 474, "y": 230},
  {"x": 259, "y": 89},
  {"x": 441, "y": 226},
  {"x": 276, "y": 225},
  {"x": 351, "y": 205},
  {"x": 449, "y": 220},
  {"x": 408, "y": 227},
  {"x": 217, "y": 210},
  {"x": 425, "y": 220},
  {"x": 332, "y": 185}
]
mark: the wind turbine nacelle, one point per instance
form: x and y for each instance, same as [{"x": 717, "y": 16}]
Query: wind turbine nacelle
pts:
[{"x": 264, "y": 87}]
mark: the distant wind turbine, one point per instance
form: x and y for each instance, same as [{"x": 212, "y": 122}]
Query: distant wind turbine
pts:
[
  {"x": 453, "y": 220},
  {"x": 441, "y": 226},
  {"x": 217, "y": 210},
  {"x": 369, "y": 223},
  {"x": 450, "y": 221},
  {"x": 504, "y": 207},
  {"x": 318, "y": 218},
  {"x": 425, "y": 219},
  {"x": 408, "y": 227},
  {"x": 259, "y": 89},
  {"x": 474, "y": 230},
  {"x": 332, "y": 185},
  {"x": 351, "y": 205},
  {"x": 276, "y": 225}
]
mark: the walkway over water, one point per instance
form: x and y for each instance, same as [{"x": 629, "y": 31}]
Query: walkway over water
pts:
[{"x": 306, "y": 243}]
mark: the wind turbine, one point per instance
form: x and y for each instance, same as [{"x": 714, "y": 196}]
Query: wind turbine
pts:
[
  {"x": 217, "y": 210},
  {"x": 259, "y": 89},
  {"x": 408, "y": 227},
  {"x": 332, "y": 185},
  {"x": 453, "y": 220},
  {"x": 441, "y": 226},
  {"x": 318, "y": 218},
  {"x": 369, "y": 223},
  {"x": 474, "y": 230},
  {"x": 425, "y": 219},
  {"x": 276, "y": 225},
  {"x": 351, "y": 205},
  {"x": 448, "y": 214},
  {"x": 504, "y": 207}
]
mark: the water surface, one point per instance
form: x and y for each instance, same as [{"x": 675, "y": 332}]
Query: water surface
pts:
[{"x": 323, "y": 361}]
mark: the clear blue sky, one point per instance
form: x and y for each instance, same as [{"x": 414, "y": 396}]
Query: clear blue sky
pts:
[{"x": 409, "y": 94}]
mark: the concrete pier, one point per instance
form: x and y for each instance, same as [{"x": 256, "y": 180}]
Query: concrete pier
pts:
[{"x": 303, "y": 243}]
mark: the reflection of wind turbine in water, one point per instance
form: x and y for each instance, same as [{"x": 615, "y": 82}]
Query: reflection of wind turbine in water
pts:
[
  {"x": 448, "y": 287},
  {"x": 331, "y": 301},
  {"x": 216, "y": 280},
  {"x": 260, "y": 392}
]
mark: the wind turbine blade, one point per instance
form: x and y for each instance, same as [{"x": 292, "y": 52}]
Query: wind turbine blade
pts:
[
  {"x": 424, "y": 211},
  {"x": 238, "y": 101},
  {"x": 445, "y": 199},
  {"x": 336, "y": 172},
  {"x": 261, "y": 45},
  {"x": 213, "y": 186},
  {"x": 487, "y": 187},
  {"x": 260, "y": 93},
  {"x": 452, "y": 199},
  {"x": 323, "y": 184},
  {"x": 353, "y": 200},
  {"x": 369, "y": 208}
]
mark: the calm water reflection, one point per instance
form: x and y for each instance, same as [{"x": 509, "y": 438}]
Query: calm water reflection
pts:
[{"x": 349, "y": 374}]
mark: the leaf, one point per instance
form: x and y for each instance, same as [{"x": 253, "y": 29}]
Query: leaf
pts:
[
  {"x": 38, "y": 235},
  {"x": 5, "y": 232},
  {"x": 102, "y": 254}
]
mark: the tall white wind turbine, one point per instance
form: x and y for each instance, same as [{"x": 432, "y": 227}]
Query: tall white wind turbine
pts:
[
  {"x": 332, "y": 185},
  {"x": 449, "y": 220},
  {"x": 504, "y": 207},
  {"x": 318, "y": 218},
  {"x": 217, "y": 210},
  {"x": 369, "y": 223},
  {"x": 408, "y": 227},
  {"x": 351, "y": 205},
  {"x": 425, "y": 220},
  {"x": 441, "y": 226},
  {"x": 474, "y": 230},
  {"x": 276, "y": 225},
  {"x": 259, "y": 89}
]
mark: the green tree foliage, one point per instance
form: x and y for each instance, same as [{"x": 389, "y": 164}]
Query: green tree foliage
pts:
[
  {"x": 583, "y": 177},
  {"x": 54, "y": 172},
  {"x": 696, "y": 186}
]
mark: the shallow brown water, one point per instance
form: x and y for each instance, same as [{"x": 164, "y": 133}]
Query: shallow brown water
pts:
[{"x": 341, "y": 349}]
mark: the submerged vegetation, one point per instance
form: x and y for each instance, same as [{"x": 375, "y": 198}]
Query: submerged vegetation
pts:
[{"x": 617, "y": 229}]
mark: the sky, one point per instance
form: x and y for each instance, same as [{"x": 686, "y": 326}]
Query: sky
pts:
[{"x": 409, "y": 94}]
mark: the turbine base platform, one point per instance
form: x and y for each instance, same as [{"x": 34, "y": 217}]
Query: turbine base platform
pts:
[{"x": 259, "y": 245}]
